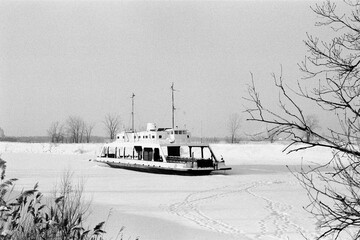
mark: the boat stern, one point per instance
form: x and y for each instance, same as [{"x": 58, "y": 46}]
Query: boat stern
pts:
[{"x": 220, "y": 166}]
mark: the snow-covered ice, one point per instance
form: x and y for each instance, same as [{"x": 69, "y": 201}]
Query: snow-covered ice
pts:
[{"x": 258, "y": 199}]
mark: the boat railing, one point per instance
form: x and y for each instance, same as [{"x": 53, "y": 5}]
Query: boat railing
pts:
[
  {"x": 179, "y": 159},
  {"x": 193, "y": 162}
]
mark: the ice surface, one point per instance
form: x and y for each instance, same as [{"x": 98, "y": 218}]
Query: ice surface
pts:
[{"x": 258, "y": 199}]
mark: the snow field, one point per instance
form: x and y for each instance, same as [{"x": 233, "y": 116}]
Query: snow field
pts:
[{"x": 258, "y": 199}]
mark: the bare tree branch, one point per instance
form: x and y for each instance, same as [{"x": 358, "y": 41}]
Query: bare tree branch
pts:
[
  {"x": 334, "y": 188},
  {"x": 234, "y": 126},
  {"x": 112, "y": 125}
]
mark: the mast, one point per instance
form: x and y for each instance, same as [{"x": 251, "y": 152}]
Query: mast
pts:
[
  {"x": 173, "y": 105},
  {"x": 132, "y": 112}
]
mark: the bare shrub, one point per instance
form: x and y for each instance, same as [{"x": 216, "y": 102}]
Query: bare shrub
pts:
[
  {"x": 112, "y": 125},
  {"x": 234, "y": 126},
  {"x": 88, "y": 128},
  {"x": 27, "y": 217},
  {"x": 75, "y": 128},
  {"x": 56, "y": 132}
]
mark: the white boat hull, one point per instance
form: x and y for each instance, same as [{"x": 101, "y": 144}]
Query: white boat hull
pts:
[{"x": 156, "y": 167}]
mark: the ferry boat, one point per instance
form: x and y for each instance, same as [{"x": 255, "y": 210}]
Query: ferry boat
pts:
[{"x": 160, "y": 150}]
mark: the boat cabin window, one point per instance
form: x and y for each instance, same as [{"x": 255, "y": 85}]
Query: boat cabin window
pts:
[
  {"x": 111, "y": 152},
  {"x": 148, "y": 154},
  {"x": 103, "y": 152},
  {"x": 201, "y": 153},
  {"x": 206, "y": 153},
  {"x": 128, "y": 152},
  {"x": 184, "y": 151},
  {"x": 157, "y": 156},
  {"x": 152, "y": 136},
  {"x": 178, "y": 132},
  {"x": 160, "y": 136},
  {"x": 120, "y": 152},
  {"x": 173, "y": 151},
  {"x": 138, "y": 152},
  {"x": 164, "y": 150}
]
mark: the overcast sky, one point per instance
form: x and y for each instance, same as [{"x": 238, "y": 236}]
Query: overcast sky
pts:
[{"x": 86, "y": 58}]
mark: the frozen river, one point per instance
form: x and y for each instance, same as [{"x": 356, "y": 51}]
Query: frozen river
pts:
[{"x": 256, "y": 200}]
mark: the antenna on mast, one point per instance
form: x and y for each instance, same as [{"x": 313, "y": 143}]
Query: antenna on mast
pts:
[
  {"x": 173, "y": 105},
  {"x": 132, "y": 112}
]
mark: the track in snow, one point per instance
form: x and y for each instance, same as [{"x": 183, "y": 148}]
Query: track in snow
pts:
[
  {"x": 190, "y": 209},
  {"x": 275, "y": 224}
]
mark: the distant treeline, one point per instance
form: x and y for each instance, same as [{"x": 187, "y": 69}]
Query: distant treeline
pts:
[
  {"x": 94, "y": 139},
  {"x": 208, "y": 139},
  {"x": 99, "y": 139},
  {"x": 45, "y": 139}
]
